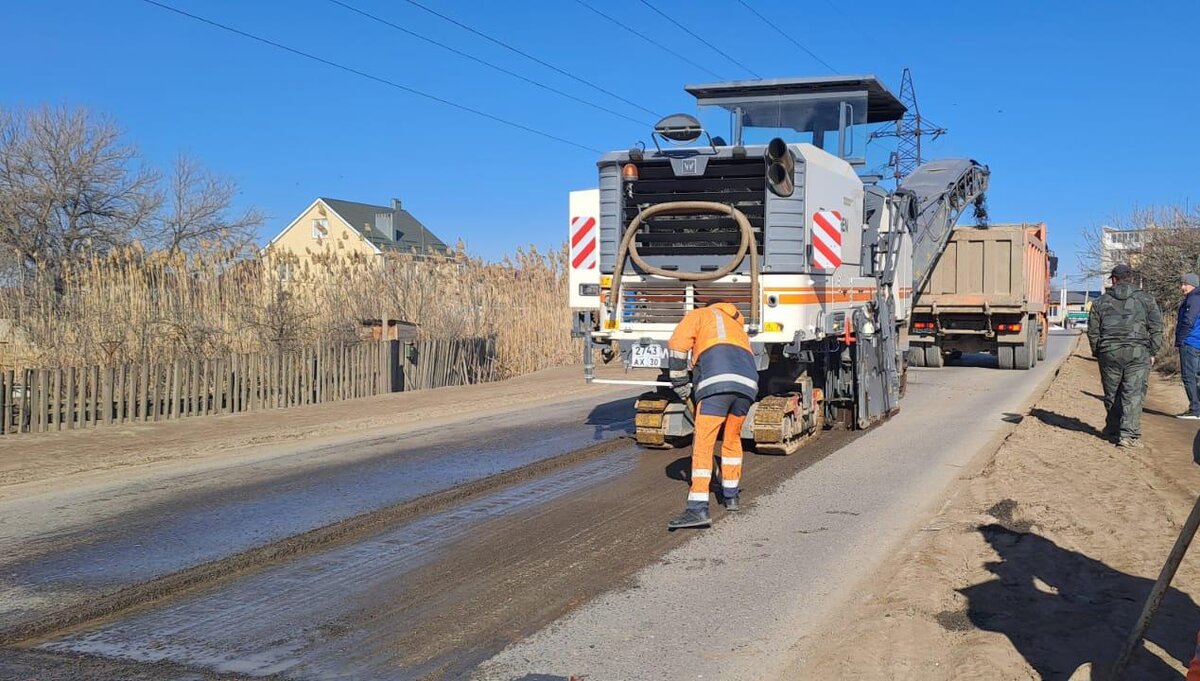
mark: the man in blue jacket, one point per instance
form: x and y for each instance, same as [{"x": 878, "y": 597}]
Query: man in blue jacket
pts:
[{"x": 1187, "y": 339}]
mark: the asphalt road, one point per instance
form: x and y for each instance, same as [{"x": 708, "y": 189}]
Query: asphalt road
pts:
[
  {"x": 572, "y": 562},
  {"x": 76, "y": 545},
  {"x": 734, "y": 603}
]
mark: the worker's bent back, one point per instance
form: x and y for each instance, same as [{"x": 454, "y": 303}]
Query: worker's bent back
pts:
[{"x": 721, "y": 356}]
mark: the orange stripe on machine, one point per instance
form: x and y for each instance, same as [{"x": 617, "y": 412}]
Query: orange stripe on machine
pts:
[{"x": 822, "y": 295}]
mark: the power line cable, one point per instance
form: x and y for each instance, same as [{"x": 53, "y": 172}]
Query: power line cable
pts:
[
  {"x": 687, "y": 30},
  {"x": 652, "y": 41},
  {"x": 368, "y": 76},
  {"x": 768, "y": 22},
  {"x": 488, "y": 64},
  {"x": 530, "y": 57}
]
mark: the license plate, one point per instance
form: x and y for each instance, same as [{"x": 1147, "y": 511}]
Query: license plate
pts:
[{"x": 647, "y": 357}]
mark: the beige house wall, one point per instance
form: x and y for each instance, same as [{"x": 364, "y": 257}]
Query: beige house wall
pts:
[{"x": 298, "y": 240}]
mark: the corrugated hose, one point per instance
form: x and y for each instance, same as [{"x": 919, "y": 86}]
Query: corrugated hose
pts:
[{"x": 628, "y": 249}]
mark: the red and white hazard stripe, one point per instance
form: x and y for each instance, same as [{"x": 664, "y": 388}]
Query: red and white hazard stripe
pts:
[
  {"x": 827, "y": 239},
  {"x": 584, "y": 254}
]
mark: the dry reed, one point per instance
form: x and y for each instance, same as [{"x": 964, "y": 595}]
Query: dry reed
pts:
[{"x": 133, "y": 305}]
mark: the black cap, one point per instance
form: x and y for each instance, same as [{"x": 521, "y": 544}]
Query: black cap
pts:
[{"x": 1122, "y": 270}]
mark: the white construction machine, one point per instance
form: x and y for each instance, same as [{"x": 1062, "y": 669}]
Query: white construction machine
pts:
[{"x": 822, "y": 263}]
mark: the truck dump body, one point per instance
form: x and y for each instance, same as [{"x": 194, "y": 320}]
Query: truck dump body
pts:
[
  {"x": 988, "y": 292},
  {"x": 1000, "y": 266}
]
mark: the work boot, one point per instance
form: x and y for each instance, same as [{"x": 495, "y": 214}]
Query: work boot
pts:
[
  {"x": 1131, "y": 442},
  {"x": 731, "y": 504},
  {"x": 690, "y": 518}
]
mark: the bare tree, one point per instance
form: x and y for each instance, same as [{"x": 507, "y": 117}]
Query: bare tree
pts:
[
  {"x": 198, "y": 210},
  {"x": 68, "y": 186}
]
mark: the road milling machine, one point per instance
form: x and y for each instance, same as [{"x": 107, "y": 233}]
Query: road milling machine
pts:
[{"x": 822, "y": 263}]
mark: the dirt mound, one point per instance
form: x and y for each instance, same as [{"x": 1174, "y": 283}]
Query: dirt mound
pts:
[{"x": 1040, "y": 563}]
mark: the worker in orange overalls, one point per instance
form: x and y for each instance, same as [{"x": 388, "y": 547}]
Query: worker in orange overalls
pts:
[{"x": 726, "y": 383}]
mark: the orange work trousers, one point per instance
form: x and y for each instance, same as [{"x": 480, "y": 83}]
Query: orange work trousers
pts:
[{"x": 728, "y": 410}]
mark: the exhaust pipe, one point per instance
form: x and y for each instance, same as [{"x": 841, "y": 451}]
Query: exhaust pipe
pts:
[{"x": 781, "y": 167}]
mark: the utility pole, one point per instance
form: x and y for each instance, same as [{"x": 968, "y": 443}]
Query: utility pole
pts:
[{"x": 908, "y": 131}]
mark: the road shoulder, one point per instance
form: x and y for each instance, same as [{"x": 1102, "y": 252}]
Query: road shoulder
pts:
[
  {"x": 31, "y": 464},
  {"x": 1038, "y": 564}
]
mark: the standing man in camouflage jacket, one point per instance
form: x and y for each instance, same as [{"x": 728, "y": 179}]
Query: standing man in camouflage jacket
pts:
[{"x": 1125, "y": 331}]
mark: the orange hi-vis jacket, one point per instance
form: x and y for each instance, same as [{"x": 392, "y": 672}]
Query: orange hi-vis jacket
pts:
[{"x": 722, "y": 360}]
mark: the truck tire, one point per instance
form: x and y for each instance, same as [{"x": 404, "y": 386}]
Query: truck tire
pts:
[
  {"x": 1004, "y": 354},
  {"x": 933, "y": 356},
  {"x": 1022, "y": 356},
  {"x": 916, "y": 356}
]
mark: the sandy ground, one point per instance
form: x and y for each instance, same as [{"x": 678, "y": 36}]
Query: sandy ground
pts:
[
  {"x": 1039, "y": 564},
  {"x": 55, "y": 457}
]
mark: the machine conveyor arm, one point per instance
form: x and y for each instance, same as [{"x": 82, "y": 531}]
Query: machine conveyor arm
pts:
[{"x": 937, "y": 193}]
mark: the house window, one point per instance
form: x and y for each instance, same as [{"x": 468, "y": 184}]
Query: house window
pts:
[
  {"x": 399, "y": 235},
  {"x": 320, "y": 228},
  {"x": 285, "y": 272}
]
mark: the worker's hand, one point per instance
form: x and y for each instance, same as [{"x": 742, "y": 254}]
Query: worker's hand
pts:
[{"x": 684, "y": 391}]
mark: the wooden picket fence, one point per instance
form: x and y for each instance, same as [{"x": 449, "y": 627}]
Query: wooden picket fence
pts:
[
  {"x": 71, "y": 398},
  {"x": 437, "y": 363}
]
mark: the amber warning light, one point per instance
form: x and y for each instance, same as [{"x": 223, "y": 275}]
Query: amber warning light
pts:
[{"x": 629, "y": 172}]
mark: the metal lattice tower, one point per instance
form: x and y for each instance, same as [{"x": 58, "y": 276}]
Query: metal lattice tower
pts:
[{"x": 908, "y": 131}]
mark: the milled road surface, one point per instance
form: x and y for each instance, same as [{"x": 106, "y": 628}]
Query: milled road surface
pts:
[{"x": 439, "y": 591}]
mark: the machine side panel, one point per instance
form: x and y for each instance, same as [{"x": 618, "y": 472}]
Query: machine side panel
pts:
[
  {"x": 786, "y": 243},
  {"x": 610, "y": 215},
  {"x": 831, "y": 185}
]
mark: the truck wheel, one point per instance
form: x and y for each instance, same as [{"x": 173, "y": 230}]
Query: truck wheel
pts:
[
  {"x": 916, "y": 356},
  {"x": 1004, "y": 353},
  {"x": 933, "y": 356},
  {"x": 1022, "y": 356}
]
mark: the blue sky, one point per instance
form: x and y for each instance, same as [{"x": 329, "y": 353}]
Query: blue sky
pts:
[{"x": 1082, "y": 109}]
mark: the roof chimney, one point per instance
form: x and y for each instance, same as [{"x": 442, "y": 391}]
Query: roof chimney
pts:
[{"x": 396, "y": 204}]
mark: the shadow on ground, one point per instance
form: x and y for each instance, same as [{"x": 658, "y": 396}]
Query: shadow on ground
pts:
[
  {"x": 1052, "y": 418},
  {"x": 1062, "y": 609},
  {"x": 612, "y": 418}
]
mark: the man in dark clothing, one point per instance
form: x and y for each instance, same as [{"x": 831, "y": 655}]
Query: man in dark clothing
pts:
[
  {"x": 1187, "y": 339},
  {"x": 1125, "y": 332}
]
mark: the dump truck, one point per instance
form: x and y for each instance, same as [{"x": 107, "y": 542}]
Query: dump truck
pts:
[
  {"x": 772, "y": 216},
  {"x": 988, "y": 292}
]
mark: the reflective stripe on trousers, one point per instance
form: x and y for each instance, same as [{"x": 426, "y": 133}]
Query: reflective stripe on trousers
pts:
[{"x": 728, "y": 410}]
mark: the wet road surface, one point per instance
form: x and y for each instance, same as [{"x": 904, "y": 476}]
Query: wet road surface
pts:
[{"x": 46, "y": 564}]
